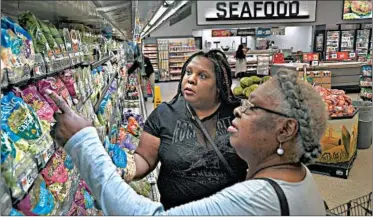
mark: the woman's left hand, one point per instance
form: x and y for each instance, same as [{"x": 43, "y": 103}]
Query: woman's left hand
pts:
[{"x": 68, "y": 122}]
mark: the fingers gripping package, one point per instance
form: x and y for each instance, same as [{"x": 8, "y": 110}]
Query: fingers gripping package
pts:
[
  {"x": 57, "y": 86},
  {"x": 69, "y": 81}
]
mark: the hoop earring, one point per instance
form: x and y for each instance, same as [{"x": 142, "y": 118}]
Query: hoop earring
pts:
[{"x": 280, "y": 150}]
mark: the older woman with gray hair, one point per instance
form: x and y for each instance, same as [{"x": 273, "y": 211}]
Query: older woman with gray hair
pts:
[{"x": 276, "y": 131}]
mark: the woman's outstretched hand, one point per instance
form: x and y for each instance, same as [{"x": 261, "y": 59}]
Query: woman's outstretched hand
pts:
[{"x": 68, "y": 122}]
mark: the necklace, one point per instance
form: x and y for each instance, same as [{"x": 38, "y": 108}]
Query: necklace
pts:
[{"x": 277, "y": 165}]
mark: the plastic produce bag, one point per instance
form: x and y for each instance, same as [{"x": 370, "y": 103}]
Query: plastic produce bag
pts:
[
  {"x": 49, "y": 37},
  {"x": 69, "y": 81},
  {"x": 27, "y": 51},
  {"x": 33, "y": 98},
  {"x": 30, "y": 22},
  {"x": 56, "y": 176},
  {"x": 105, "y": 110},
  {"x": 63, "y": 92},
  {"x": 11, "y": 46},
  {"x": 57, "y": 36},
  {"x": 39, "y": 201}
]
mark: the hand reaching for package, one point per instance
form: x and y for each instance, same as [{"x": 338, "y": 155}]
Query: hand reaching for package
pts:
[{"x": 68, "y": 122}]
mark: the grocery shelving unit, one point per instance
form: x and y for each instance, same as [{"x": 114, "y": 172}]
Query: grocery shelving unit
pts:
[
  {"x": 366, "y": 82},
  {"x": 332, "y": 42},
  {"x": 362, "y": 41},
  {"x": 151, "y": 51},
  {"x": 347, "y": 40}
]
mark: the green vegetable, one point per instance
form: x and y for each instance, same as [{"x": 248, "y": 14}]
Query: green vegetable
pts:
[
  {"x": 266, "y": 78},
  {"x": 256, "y": 79},
  {"x": 245, "y": 82},
  {"x": 237, "y": 90},
  {"x": 28, "y": 21}
]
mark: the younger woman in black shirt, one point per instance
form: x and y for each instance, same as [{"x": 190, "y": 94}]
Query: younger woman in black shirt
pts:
[{"x": 190, "y": 166}]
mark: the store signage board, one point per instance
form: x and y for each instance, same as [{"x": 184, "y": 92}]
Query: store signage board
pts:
[
  {"x": 223, "y": 32},
  {"x": 263, "y": 32},
  {"x": 246, "y": 32},
  {"x": 245, "y": 12}
]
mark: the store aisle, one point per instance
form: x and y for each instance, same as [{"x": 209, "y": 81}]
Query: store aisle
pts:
[{"x": 168, "y": 91}]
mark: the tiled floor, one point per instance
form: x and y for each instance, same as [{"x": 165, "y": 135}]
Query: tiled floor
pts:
[{"x": 335, "y": 191}]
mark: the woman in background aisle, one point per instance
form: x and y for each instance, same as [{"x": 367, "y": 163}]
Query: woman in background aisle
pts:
[
  {"x": 149, "y": 71},
  {"x": 276, "y": 131},
  {"x": 240, "y": 61}
]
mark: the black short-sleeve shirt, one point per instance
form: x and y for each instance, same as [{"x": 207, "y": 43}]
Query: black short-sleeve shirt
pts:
[{"x": 190, "y": 168}]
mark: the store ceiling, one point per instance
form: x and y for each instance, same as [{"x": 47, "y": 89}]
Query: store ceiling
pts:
[{"x": 91, "y": 13}]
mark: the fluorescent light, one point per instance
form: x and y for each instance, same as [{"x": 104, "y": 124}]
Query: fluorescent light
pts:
[
  {"x": 146, "y": 29},
  {"x": 157, "y": 15}
]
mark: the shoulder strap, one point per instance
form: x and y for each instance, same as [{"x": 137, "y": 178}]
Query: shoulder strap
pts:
[
  {"x": 281, "y": 196},
  {"x": 220, "y": 155}
]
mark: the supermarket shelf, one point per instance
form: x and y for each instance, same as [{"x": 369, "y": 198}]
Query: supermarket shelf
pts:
[
  {"x": 182, "y": 51},
  {"x": 101, "y": 61}
]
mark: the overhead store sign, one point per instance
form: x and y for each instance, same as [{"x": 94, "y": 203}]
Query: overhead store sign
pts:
[
  {"x": 246, "y": 32},
  {"x": 263, "y": 32},
  {"x": 223, "y": 32},
  {"x": 237, "y": 12}
]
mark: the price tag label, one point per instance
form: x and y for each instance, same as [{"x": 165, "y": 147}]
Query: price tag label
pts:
[
  {"x": 334, "y": 56},
  {"x": 352, "y": 55},
  {"x": 28, "y": 179},
  {"x": 37, "y": 70}
]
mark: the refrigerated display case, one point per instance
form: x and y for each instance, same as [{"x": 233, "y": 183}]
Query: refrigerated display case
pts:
[
  {"x": 347, "y": 40},
  {"x": 362, "y": 41},
  {"x": 332, "y": 41}
]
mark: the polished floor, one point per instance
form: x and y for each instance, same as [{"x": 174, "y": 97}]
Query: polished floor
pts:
[{"x": 336, "y": 191}]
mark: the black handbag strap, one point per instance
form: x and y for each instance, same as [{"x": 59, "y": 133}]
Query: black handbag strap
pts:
[
  {"x": 212, "y": 143},
  {"x": 281, "y": 196}
]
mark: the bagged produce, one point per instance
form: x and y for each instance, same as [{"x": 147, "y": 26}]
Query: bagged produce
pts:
[
  {"x": 366, "y": 92},
  {"x": 337, "y": 102},
  {"x": 11, "y": 46},
  {"x": 27, "y": 52},
  {"x": 15, "y": 212},
  {"x": 28, "y": 21},
  {"x": 57, "y": 36},
  {"x": 56, "y": 177},
  {"x": 43, "y": 86},
  {"x": 105, "y": 110},
  {"x": 367, "y": 71},
  {"x": 18, "y": 119},
  {"x": 141, "y": 187},
  {"x": 69, "y": 81},
  {"x": 63, "y": 92},
  {"x": 39, "y": 201},
  {"x": 33, "y": 98},
  {"x": 365, "y": 81},
  {"x": 49, "y": 37}
]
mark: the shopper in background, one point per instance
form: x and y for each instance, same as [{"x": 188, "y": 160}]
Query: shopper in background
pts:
[
  {"x": 149, "y": 71},
  {"x": 240, "y": 61},
  {"x": 276, "y": 132}
]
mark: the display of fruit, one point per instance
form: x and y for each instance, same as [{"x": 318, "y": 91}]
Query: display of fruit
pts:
[
  {"x": 337, "y": 102},
  {"x": 248, "y": 85},
  {"x": 246, "y": 82},
  {"x": 237, "y": 90},
  {"x": 266, "y": 78},
  {"x": 256, "y": 79}
]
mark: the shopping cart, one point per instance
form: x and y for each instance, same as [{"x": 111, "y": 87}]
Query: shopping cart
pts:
[{"x": 361, "y": 206}]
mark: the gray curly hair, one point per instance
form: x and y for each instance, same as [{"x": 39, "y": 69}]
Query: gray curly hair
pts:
[{"x": 299, "y": 100}]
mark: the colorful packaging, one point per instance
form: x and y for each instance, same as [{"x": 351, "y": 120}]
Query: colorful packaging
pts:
[
  {"x": 105, "y": 110},
  {"x": 27, "y": 52},
  {"x": 39, "y": 201},
  {"x": 43, "y": 86},
  {"x": 32, "y": 97},
  {"x": 11, "y": 46},
  {"x": 366, "y": 92},
  {"x": 367, "y": 71},
  {"x": 63, "y": 92},
  {"x": 15, "y": 212},
  {"x": 19, "y": 119},
  {"x": 69, "y": 81},
  {"x": 365, "y": 81}
]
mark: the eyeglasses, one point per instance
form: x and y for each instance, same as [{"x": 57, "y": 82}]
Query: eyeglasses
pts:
[{"x": 246, "y": 104}]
